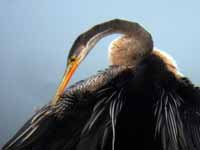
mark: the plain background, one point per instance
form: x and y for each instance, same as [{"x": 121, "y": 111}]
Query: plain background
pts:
[{"x": 36, "y": 35}]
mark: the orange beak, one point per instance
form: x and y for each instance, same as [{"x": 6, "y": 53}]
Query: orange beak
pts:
[{"x": 66, "y": 78}]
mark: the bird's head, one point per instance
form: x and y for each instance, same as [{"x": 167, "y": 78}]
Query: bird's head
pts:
[
  {"x": 81, "y": 47},
  {"x": 79, "y": 50}
]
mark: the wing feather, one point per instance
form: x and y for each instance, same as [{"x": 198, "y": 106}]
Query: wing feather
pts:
[
  {"x": 177, "y": 116},
  {"x": 189, "y": 113},
  {"x": 80, "y": 107},
  {"x": 32, "y": 129}
]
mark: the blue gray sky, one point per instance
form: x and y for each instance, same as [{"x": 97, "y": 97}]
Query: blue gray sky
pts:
[{"x": 36, "y": 35}]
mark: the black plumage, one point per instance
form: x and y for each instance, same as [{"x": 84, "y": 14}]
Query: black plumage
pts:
[
  {"x": 130, "y": 108},
  {"x": 144, "y": 106}
]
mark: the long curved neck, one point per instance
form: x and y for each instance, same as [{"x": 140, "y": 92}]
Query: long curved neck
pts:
[
  {"x": 116, "y": 26},
  {"x": 141, "y": 39}
]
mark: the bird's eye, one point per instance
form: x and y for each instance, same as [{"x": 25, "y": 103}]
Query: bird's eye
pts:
[{"x": 72, "y": 59}]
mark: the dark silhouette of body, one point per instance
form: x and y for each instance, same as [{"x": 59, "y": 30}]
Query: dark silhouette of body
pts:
[{"x": 139, "y": 102}]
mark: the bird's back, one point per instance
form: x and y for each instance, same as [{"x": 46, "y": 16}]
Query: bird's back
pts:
[{"x": 136, "y": 125}]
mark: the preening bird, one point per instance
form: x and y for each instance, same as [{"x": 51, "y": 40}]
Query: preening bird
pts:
[{"x": 141, "y": 101}]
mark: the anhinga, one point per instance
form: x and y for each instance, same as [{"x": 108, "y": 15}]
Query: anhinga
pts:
[{"x": 140, "y": 102}]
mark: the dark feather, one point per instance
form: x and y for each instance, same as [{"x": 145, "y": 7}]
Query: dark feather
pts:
[
  {"x": 146, "y": 107},
  {"x": 189, "y": 113},
  {"x": 80, "y": 109}
]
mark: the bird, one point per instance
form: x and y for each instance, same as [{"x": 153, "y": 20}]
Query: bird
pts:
[{"x": 140, "y": 101}]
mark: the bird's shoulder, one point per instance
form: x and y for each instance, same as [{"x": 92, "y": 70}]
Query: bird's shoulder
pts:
[
  {"x": 113, "y": 77},
  {"x": 189, "y": 91}
]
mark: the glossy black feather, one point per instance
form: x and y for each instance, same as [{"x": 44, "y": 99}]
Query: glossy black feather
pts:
[
  {"x": 78, "y": 110},
  {"x": 144, "y": 107}
]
